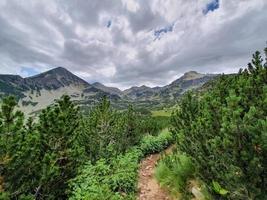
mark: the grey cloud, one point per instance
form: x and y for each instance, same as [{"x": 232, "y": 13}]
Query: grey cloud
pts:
[{"x": 74, "y": 34}]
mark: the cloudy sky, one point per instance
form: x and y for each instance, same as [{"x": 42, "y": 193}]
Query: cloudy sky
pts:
[{"x": 130, "y": 42}]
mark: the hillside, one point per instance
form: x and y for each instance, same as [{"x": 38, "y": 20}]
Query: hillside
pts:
[
  {"x": 110, "y": 90},
  {"x": 39, "y": 91},
  {"x": 36, "y": 92}
]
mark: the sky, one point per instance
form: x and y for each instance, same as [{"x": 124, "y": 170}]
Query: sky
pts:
[{"x": 123, "y": 43}]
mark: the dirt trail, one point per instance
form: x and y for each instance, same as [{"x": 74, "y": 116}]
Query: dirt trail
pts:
[{"x": 148, "y": 186}]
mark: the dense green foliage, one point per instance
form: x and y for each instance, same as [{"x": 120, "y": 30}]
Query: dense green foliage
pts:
[
  {"x": 116, "y": 178},
  {"x": 153, "y": 125},
  {"x": 108, "y": 132},
  {"x": 39, "y": 157},
  {"x": 224, "y": 132}
]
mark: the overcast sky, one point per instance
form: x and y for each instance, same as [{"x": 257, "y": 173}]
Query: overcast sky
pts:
[{"x": 130, "y": 42}]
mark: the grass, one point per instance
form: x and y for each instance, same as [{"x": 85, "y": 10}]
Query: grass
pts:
[
  {"x": 176, "y": 173},
  {"x": 164, "y": 113},
  {"x": 173, "y": 173}
]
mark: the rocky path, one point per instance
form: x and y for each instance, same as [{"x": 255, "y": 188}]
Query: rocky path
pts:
[{"x": 148, "y": 186}]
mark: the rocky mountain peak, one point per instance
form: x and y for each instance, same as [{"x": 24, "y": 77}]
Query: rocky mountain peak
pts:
[
  {"x": 192, "y": 75},
  {"x": 56, "y": 78}
]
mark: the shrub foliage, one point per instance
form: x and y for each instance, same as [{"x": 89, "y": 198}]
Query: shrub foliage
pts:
[
  {"x": 224, "y": 131},
  {"x": 38, "y": 158}
]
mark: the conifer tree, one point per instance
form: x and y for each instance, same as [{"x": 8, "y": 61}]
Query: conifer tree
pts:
[
  {"x": 61, "y": 152},
  {"x": 102, "y": 128},
  {"x": 130, "y": 135}
]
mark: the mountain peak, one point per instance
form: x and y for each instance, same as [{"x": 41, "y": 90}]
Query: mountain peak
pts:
[
  {"x": 191, "y": 72},
  {"x": 56, "y": 78},
  {"x": 60, "y": 69},
  {"x": 192, "y": 75},
  {"x": 57, "y": 71}
]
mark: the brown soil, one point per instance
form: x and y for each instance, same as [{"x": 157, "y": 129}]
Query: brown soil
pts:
[{"x": 148, "y": 186}]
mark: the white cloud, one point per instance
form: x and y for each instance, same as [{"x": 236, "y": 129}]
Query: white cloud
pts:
[{"x": 131, "y": 5}]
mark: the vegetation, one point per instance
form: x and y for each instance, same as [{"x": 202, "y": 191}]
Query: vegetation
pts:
[
  {"x": 44, "y": 158},
  {"x": 165, "y": 113},
  {"x": 116, "y": 177},
  {"x": 224, "y": 133},
  {"x": 220, "y": 134},
  {"x": 174, "y": 172}
]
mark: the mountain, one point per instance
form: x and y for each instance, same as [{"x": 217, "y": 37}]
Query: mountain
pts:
[
  {"x": 110, "y": 90},
  {"x": 13, "y": 85},
  {"x": 142, "y": 92},
  {"x": 189, "y": 80},
  {"x": 37, "y": 92},
  {"x": 56, "y": 78}
]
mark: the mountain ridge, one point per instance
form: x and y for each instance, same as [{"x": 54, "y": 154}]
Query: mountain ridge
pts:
[{"x": 38, "y": 91}]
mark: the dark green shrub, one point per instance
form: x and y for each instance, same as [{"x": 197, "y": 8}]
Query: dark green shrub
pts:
[
  {"x": 116, "y": 178},
  {"x": 224, "y": 132}
]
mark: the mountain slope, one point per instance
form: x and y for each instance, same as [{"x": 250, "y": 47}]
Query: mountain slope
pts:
[
  {"x": 56, "y": 78},
  {"x": 139, "y": 93},
  {"x": 189, "y": 80},
  {"x": 13, "y": 85},
  {"x": 36, "y": 92},
  {"x": 110, "y": 90}
]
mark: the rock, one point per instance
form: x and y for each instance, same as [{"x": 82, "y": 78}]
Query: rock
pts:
[{"x": 197, "y": 193}]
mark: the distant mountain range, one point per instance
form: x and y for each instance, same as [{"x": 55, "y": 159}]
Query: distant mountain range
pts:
[{"x": 36, "y": 92}]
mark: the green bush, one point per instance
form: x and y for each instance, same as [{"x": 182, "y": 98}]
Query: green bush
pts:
[
  {"x": 116, "y": 178},
  {"x": 151, "y": 144},
  {"x": 153, "y": 124},
  {"x": 224, "y": 132},
  {"x": 38, "y": 158}
]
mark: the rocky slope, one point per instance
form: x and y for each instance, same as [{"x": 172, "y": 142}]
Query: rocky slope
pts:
[
  {"x": 189, "y": 80},
  {"x": 36, "y": 92},
  {"x": 111, "y": 90}
]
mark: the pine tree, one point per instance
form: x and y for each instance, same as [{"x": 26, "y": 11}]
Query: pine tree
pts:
[
  {"x": 17, "y": 150},
  {"x": 130, "y": 135},
  {"x": 102, "y": 128},
  {"x": 61, "y": 152},
  {"x": 11, "y": 120}
]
